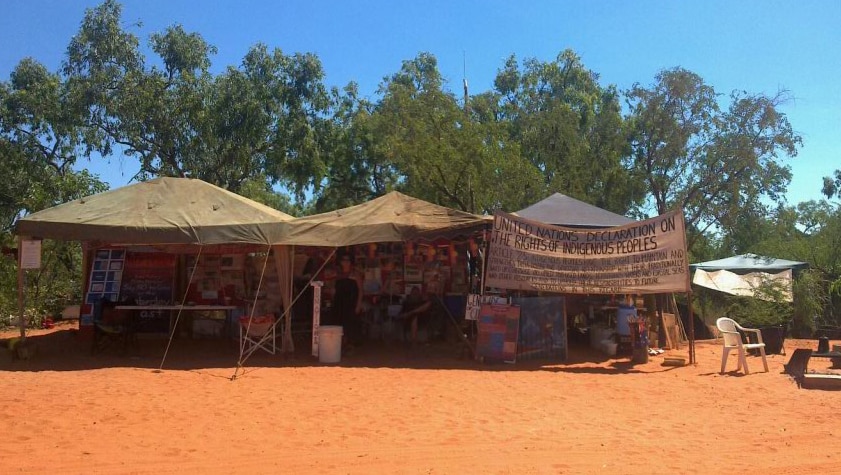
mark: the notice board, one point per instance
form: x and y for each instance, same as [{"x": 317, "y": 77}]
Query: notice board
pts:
[{"x": 499, "y": 327}]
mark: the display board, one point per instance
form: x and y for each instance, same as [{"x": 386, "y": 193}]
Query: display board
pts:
[
  {"x": 104, "y": 282},
  {"x": 499, "y": 328},
  {"x": 148, "y": 279},
  {"x": 542, "y": 328}
]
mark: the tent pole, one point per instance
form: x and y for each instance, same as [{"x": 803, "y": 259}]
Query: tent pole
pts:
[
  {"x": 21, "y": 282},
  {"x": 484, "y": 250},
  {"x": 288, "y": 291},
  {"x": 661, "y": 327},
  {"x": 691, "y": 329}
]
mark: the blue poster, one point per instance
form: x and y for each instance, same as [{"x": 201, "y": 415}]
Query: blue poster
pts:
[{"x": 542, "y": 328}]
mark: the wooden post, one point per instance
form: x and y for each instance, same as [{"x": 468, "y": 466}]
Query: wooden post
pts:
[
  {"x": 691, "y": 329},
  {"x": 316, "y": 314},
  {"x": 21, "y": 282}
]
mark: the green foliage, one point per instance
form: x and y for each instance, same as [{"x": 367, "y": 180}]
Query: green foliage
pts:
[
  {"x": 179, "y": 120},
  {"x": 832, "y": 185},
  {"x": 569, "y": 128},
  {"x": 48, "y": 289},
  {"x": 438, "y": 151},
  {"x": 357, "y": 167},
  {"x": 768, "y": 306},
  {"x": 718, "y": 165},
  {"x": 810, "y": 300},
  {"x": 40, "y": 139}
]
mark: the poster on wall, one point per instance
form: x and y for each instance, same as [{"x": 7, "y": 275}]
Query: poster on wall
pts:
[
  {"x": 148, "y": 279},
  {"x": 474, "y": 304},
  {"x": 542, "y": 328},
  {"x": 644, "y": 257},
  {"x": 30, "y": 254},
  {"x": 499, "y": 327},
  {"x": 104, "y": 283}
]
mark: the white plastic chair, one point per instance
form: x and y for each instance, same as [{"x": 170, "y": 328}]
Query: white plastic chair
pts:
[
  {"x": 733, "y": 341},
  {"x": 258, "y": 334}
]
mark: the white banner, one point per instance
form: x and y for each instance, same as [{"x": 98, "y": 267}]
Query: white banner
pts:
[
  {"x": 762, "y": 285},
  {"x": 644, "y": 257}
]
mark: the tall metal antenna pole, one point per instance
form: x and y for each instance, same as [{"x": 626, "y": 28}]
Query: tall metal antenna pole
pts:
[{"x": 464, "y": 80}]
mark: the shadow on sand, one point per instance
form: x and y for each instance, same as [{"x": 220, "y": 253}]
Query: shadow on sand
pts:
[{"x": 64, "y": 350}]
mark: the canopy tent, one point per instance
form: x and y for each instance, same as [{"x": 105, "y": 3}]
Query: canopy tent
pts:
[
  {"x": 747, "y": 275},
  {"x": 393, "y": 217},
  {"x": 159, "y": 211},
  {"x": 390, "y": 218},
  {"x": 562, "y": 210},
  {"x": 167, "y": 212},
  {"x": 750, "y": 263}
]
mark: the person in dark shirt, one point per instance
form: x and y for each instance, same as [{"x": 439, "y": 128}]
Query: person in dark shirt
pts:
[{"x": 347, "y": 302}]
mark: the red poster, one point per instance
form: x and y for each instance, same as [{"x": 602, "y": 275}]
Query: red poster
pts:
[{"x": 499, "y": 327}]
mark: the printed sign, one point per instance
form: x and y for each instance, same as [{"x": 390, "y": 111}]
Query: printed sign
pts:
[
  {"x": 644, "y": 257},
  {"x": 30, "y": 254}
]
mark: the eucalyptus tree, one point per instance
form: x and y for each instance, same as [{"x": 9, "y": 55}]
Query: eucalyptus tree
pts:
[
  {"x": 568, "y": 126},
  {"x": 357, "y": 168},
  {"x": 40, "y": 141},
  {"x": 439, "y": 151},
  {"x": 179, "y": 119},
  {"x": 718, "y": 164}
]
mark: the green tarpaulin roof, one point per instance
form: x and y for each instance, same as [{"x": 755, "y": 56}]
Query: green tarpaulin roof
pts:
[
  {"x": 390, "y": 218},
  {"x": 159, "y": 211}
]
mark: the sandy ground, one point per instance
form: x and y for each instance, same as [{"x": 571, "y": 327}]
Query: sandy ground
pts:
[{"x": 388, "y": 410}]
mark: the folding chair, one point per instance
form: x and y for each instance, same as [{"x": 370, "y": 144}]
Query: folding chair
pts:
[
  {"x": 112, "y": 328},
  {"x": 259, "y": 334}
]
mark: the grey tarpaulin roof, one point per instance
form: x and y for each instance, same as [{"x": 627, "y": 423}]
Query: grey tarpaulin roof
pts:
[
  {"x": 159, "y": 211},
  {"x": 562, "y": 210},
  {"x": 750, "y": 263}
]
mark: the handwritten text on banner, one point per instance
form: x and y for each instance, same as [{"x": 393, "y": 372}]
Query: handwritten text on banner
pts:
[{"x": 640, "y": 258}]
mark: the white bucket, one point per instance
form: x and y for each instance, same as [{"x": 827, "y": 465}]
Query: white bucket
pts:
[
  {"x": 330, "y": 343},
  {"x": 610, "y": 347}
]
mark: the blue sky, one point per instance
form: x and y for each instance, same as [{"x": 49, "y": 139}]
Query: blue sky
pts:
[{"x": 756, "y": 46}]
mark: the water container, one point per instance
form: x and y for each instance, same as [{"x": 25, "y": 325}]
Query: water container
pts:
[
  {"x": 622, "y": 314},
  {"x": 329, "y": 343}
]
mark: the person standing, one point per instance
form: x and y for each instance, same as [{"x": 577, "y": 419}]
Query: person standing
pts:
[{"x": 347, "y": 302}]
